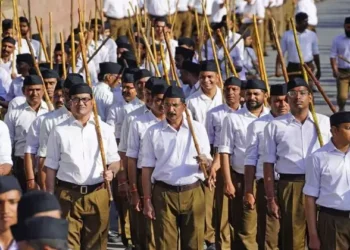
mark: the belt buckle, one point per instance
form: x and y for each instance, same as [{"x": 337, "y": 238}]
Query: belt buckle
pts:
[
  {"x": 83, "y": 189},
  {"x": 178, "y": 189}
]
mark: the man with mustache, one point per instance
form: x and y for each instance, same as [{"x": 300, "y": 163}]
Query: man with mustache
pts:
[
  {"x": 189, "y": 75},
  {"x": 233, "y": 139},
  {"x": 289, "y": 140},
  {"x": 142, "y": 234},
  {"x": 268, "y": 227},
  {"x": 340, "y": 68},
  {"x": 20, "y": 118},
  {"x": 170, "y": 162},
  {"x": 7, "y": 50}
]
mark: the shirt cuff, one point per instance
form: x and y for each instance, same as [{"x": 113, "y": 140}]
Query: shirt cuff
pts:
[
  {"x": 42, "y": 152},
  {"x": 148, "y": 162},
  {"x": 31, "y": 150},
  {"x": 6, "y": 160},
  {"x": 311, "y": 191},
  {"x": 225, "y": 149},
  {"x": 132, "y": 153},
  {"x": 250, "y": 162},
  {"x": 112, "y": 159},
  {"x": 51, "y": 163},
  {"x": 270, "y": 158}
]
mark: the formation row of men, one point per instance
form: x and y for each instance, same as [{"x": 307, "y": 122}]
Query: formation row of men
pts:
[{"x": 159, "y": 173}]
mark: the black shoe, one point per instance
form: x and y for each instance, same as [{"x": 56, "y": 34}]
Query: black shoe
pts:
[
  {"x": 211, "y": 246},
  {"x": 129, "y": 247},
  {"x": 114, "y": 237}
]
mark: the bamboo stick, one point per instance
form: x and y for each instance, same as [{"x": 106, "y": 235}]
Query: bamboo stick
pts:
[
  {"x": 171, "y": 58},
  {"x": 149, "y": 51},
  {"x": 29, "y": 17},
  {"x": 71, "y": 16},
  {"x": 96, "y": 117},
  {"x": 166, "y": 73},
  {"x": 95, "y": 30},
  {"x": 42, "y": 40},
  {"x": 279, "y": 51},
  {"x": 153, "y": 42},
  {"x": 232, "y": 67},
  {"x": 63, "y": 57},
  {"x": 1, "y": 23},
  {"x": 73, "y": 58},
  {"x": 343, "y": 58},
  {"x": 312, "y": 108},
  {"x": 51, "y": 38},
  {"x": 46, "y": 96}
]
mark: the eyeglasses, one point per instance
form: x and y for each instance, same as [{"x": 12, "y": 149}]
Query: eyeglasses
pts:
[
  {"x": 294, "y": 93},
  {"x": 77, "y": 100}
]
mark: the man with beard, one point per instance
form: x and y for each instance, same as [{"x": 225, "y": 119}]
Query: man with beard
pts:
[
  {"x": 10, "y": 194},
  {"x": 189, "y": 75},
  {"x": 170, "y": 163},
  {"x": 54, "y": 118},
  {"x": 141, "y": 78},
  {"x": 215, "y": 117},
  {"x": 108, "y": 79},
  {"x": 233, "y": 140},
  {"x": 207, "y": 97},
  {"x": 8, "y": 47},
  {"x": 20, "y": 118},
  {"x": 74, "y": 169},
  {"x": 268, "y": 226},
  {"x": 33, "y": 140},
  {"x": 309, "y": 48},
  {"x": 340, "y": 68},
  {"x": 142, "y": 234},
  {"x": 289, "y": 140},
  {"x": 5, "y": 150}
]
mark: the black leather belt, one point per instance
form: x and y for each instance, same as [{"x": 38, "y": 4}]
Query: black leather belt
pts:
[
  {"x": 177, "y": 189},
  {"x": 292, "y": 177},
  {"x": 344, "y": 70},
  {"x": 83, "y": 189},
  {"x": 335, "y": 212}
]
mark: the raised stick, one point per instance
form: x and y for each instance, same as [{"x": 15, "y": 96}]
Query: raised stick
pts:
[
  {"x": 73, "y": 56},
  {"x": 51, "y": 37},
  {"x": 42, "y": 39},
  {"x": 343, "y": 58},
  {"x": 63, "y": 57},
  {"x": 94, "y": 108},
  {"x": 166, "y": 73},
  {"x": 232, "y": 67},
  {"x": 279, "y": 51},
  {"x": 171, "y": 58},
  {"x": 96, "y": 31},
  {"x": 149, "y": 51}
]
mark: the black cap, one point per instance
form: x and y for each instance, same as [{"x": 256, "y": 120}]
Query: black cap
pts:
[
  {"x": 186, "y": 41},
  {"x": 7, "y": 24},
  {"x": 9, "y": 40},
  {"x": 32, "y": 80},
  {"x": 256, "y": 84},
  {"x": 186, "y": 53},
  {"x": 209, "y": 65},
  {"x": 191, "y": 67},
  {"x": 278, "y": 89},
  {"x": 127, "y": 59},
  {"x": 80, "y": 89},
  {"x": 40, "y": 228},
  {"x": 174, "y": 92},
  {"x": 58, "y": 47},
  {"x": 35, "y": 202},
  {"x": 8, "y": 183},
  {"x": 152, "y": 81},
  {"x": 128, "y": 76},
  {"x": 142, "y": 73},
  {"x": 26, "y": 57},
  {"x": 122, "y": 39},
  {"x": 339, "y": 117},
  {"x": 49, "y": 73},
  {"x": 347, "y": 20},
  {"x": 110, "y": 68},
  {"x": 233, "y": 81},
  {"x": 301, "y": 16},
  {"x": 73, "y": 79},
  {"x": 297, "y": 82},
  {"x": 158, "y": 89},
  {"x": 59, "y": 85},
  {"x": 124, "y": 46},
  {"x": 92, "y": 22}
]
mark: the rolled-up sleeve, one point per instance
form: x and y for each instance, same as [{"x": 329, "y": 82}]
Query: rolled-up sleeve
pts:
[
  {"x": 334, "y": 49},
  {"x": 112, "y": 147},
  {"x": 209, "y": 124},
  {"x": 147, "y": 149},
  {"x": 32, "y": 138},
  {"x": 270, "y": 144},
  {"x": 5, "y": 145},
  {"x": 123, "y": 144},
  {"x": 133, "y": 141},
  {"x": 312, "y": 177},
  {"x": 252, "y": 147},
  {"x": 43, "y": 138},
  {"x": 315, "y": 50},
  {"x": 226, "y": 137},
  {"x": 53, "y": 156}
]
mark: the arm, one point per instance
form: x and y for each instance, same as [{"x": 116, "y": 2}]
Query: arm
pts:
[
  {"x": 316, "y": 54},
  {"x": 311, "y": 218},
  {"x": 50, "y": 179},
  {"x": 29, "y": 170},
  {"x": 52, "y": 160},
  {"x": 147, "y": 193},
  {"x": 42, "y": 174},
  {"x": 5, "y": 150},
  {"x": 318, "y": 66},
  {"x": 333, "y": 58},
  {"x": 334, "y": 66}
]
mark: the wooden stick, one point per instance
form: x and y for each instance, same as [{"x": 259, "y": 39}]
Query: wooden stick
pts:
[
  {"x": 81, "y": 26},
  {"x": 138, "y": 51},
  {"x": 149, "y": 51},
  {"x": 171, "y": 58},
  {"x": 63, "y": 57},
  {"x": 71, "y": 16},
  {"x": 101, "y": 15},
  {"x": 46, "y": 96},
  {"x": 153, "y": 42},
  {"x": 312, "y": 108},
  {"x": 133, "y": 44},
  {"x": 73, "y": 58},
  {"x": 97, "y": 121},
  {"x": 232, "y": 67},
  {"x": 279, "y": 50},
  {"x": 29, "y": 17},
  {"x": 319, "y": 87},
  {"x": 96, "y": 31},
  {"x": 166, "y": 73},
  {"x": 15, "y": 25},
  {"x": 343, "y": 58},
  {"x": 51, "y": 38},
  {"x": 175, "y": 16},
  {"x": 42, "y": 40},
  {"x": 13, "y": 65}
]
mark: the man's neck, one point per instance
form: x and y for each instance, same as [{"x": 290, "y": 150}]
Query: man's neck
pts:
[
  {"x": 83, "y": 119},
  {"x": 158, "y": 116},
  {"x": 176, "y": 124},
  {"x": 233, "y": 105},
  {"x": 257, "y": 112},
  {"x": 301, "y": 115},
  {"x": 35, "y": 106},
  {"x": 211, "y": 93},
  {"x": 6, "y": 59},
  {"x": 5, "y": 239},
  {"x": 341, "y": 146}
]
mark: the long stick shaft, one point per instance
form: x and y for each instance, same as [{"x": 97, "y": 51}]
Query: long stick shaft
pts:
[
  {"x": 232, "y": 67},
  {"x": 279, "y": 51},
  {"x": 51, "y": 38},
  {"x": 63, "y": 57},
  {"x": 149, "y": 51},
  {"x": 171, "y": 58},
  {"x": 42, "y": 40}
]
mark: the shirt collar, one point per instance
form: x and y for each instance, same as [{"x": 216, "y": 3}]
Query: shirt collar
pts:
[
  {"x": 291, "y": 117},
  {"x": 43, "y": 105},
  {"x": 205, "y": 97},
  {"x": 247, "y": 113},
  {"x": 91, "y": 120},
  {"x": 167, "y": 125},
  {"x": 330, "y": 147}
]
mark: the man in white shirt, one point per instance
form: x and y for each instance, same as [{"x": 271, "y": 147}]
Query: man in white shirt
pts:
[
  {"x": 207, "y": 97},
  {"x": 108, "y": 77},
  {"x": 184, "y": 19},
  {"x": 50, "y": 78},
  {"x": 5, "y": 150},
  {"x": 309, "y": 48},
  {"x": 215, "y": 117},
  {"x": 142, "y": 231},
  {"x": 268, "y": 226},
  {"x": 58, "y": 53},
  {"x": 19, "y": 120},
  {"x": 289, "y": 140},
  {"x": 233, "y": 142},
  {"x": 189, "y": 75},
  {"x": 160, "y": 8},
  {"x": 7, "y": 53},
  {"x": 74, "y": 169},
  {"x": 327, "y": 189},
  {"x": 308, "y": 7},
  {"x": 176, "y": 203},
  {"x": 340, "y": 68}
]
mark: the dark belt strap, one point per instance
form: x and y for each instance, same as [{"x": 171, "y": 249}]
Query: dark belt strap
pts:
[
  {"x": 335, "y": 212},
  {"x": 292, "y": 177},
  {"x": 298, "y": 64},
  {"x": 177, "y": 189},
  {"x": 83, "y": 189},
  {"x": 344, "y": 70}
]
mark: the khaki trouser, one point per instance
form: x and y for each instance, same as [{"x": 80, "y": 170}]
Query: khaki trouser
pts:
[
  {"x": 288, "y": 11},
  {"x": 343, "y": 83},
  {"x": 142, "y": 232},
  {"x": 119, "y": 27},
  {"x": 293, "y": 222},
  {"x": 277, "y": 14},
  {"x": 183, "y": 24},
  {"x": 209, "y": 235},
  {"x": 333, "y": 231},
  {"x": 222, "y": 227},
  {"x": 242, "y": 220},
  {"x": 179, "y": 218},
  {"x": 88, "y": 217},
  {"x": 268, "y": 226}
]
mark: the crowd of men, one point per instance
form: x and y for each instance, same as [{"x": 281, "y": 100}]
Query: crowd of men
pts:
[{"x": 206, "y": 158}]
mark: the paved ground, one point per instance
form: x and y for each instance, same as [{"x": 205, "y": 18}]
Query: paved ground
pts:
[{"x": 331, "y": 14}]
